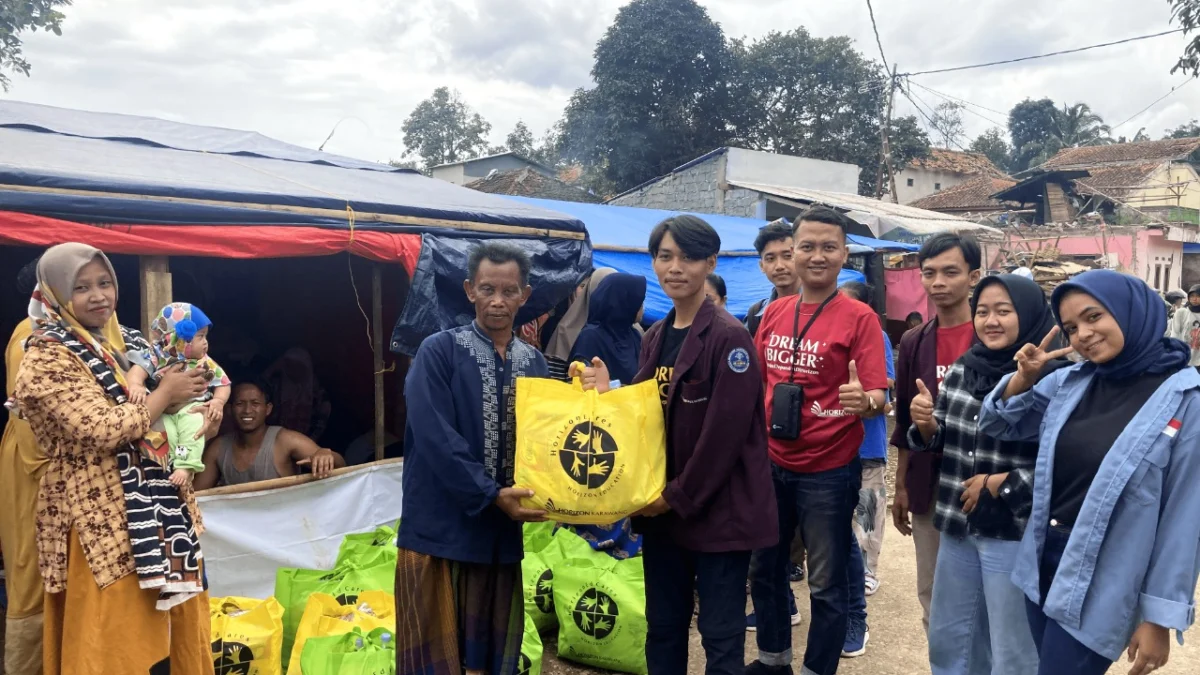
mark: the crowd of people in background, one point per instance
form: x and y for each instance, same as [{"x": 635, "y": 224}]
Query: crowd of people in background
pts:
[{"x": 1045, "y": 471}]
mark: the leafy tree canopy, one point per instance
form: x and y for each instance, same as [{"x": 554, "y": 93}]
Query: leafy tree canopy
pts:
[{"x": 16, "y": 17}]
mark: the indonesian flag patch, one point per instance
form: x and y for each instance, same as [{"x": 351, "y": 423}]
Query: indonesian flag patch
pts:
[{"x": 1172, "y": 428}]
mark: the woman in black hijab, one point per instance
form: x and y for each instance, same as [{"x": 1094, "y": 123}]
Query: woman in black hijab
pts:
[
  {"x": 615, "y": 306},
  {"x": 977, "y": 619}
]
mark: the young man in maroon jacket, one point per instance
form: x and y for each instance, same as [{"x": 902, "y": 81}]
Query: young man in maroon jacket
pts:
[
  {"x": 950, "y": 268},
  {"x": 824, "y": 370},
  {"x": 719, "y": 504}
]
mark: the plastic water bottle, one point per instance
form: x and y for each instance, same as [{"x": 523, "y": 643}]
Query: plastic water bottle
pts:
[
  {"x": 385, "y": 639},
  {"x": 358, "y": 643}
]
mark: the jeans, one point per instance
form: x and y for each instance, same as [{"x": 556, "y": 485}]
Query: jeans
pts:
[
  {"x": 674, "y": 576},
  {"x": 977, "y": 622},
  {"x": 822, "y": 504},
  {"x": 856, "y": 572},
  {"x": 1061, "y": 654}
]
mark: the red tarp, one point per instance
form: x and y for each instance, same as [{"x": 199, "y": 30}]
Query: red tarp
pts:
[
  {"x": 905, "y": 294},
  {"x": 212, "y": 241}
]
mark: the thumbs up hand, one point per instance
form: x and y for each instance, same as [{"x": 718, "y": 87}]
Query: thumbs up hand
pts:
[
  {"x": 921, "y": 411},
  {"x": 853, "y": 398}
]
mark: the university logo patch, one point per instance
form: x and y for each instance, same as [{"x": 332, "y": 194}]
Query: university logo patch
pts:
[
  {"x": 596, "y": 614},
  {"x": 739, "y": 360},
  {"x": 588, "y": 454}
]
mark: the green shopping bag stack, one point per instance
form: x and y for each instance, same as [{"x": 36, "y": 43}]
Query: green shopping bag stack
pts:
[
  {"x": 353, "y": 653},
  {"x": 531, "y": 650},
  {"x": 601, "y": 607},
  {"x": 544, "y": 547},
  {"x": 362, "y": 566}
]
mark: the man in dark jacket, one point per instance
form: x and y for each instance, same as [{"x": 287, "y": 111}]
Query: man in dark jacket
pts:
[
  {"x": 719, "y": 504},
  {"x": 950, "y": 267},
  {"x": 459, "y": 568}
]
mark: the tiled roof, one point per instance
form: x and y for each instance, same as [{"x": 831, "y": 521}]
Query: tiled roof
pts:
[
  {"x": 1124, "y": 153},
  {"x": 530, "y": 183},
  {"x": 1114, "y": 180},
  {"x": 967, "y": 163},
  {"x": 973, "y": 195}
]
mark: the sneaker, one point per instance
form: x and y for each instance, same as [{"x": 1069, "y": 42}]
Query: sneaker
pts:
[
  {"x": 759, "y": 668},
  {"x": 796, "y": 619},
  {"x": 870, "y": 585},
  {"x": 857, "y": 637},
  {"x": 796, "y": 574}
]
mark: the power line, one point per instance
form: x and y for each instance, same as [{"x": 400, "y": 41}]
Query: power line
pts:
[
  {"x": 955, "y": 99},
  {"x": 1043, "y": 56},
  {"x": 871, "y": 11},
  {"x": 932, "y": 125},
  {"x": 1156, "y": 102}
]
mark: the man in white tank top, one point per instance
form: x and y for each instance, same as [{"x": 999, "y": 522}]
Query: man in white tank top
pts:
[{"x": 257, "y": 452}]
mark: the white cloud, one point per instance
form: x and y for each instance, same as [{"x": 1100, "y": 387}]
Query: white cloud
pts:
[{"x": 292, "y": 68}]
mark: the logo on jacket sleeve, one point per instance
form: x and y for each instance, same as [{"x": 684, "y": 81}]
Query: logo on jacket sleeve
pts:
[{"x": 739, "y": 360}]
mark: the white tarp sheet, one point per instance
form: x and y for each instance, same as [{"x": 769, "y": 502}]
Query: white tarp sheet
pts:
[{"x": 248, "y": 536}]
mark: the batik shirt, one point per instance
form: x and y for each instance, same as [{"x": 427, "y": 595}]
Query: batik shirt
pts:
[{"x": 459, "y": 444}]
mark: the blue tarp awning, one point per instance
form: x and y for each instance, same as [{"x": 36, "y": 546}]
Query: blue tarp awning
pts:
[{"x": 628, "y": 227}]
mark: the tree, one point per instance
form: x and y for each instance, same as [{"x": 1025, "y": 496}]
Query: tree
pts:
[
  {"x": 1030, "y": 124},
  {"x": 1040, "y": 129},
  {"x": 1077, "y": 126},
  {"x": 520, "y": 140},
  {"x": 817, "y": 97},
  {"x": 1187, "y": 14},
  {"x": 947, "y": 124},
  {"x": 992, "y": 145},
  {"x": 17, "y": 16},
  {"x": 443, "y": 129},
  {"x": 661, "y": 95},
  {"x": 1189, "y": 130}
]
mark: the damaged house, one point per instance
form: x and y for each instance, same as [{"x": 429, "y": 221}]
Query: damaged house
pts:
[{"x": 1124, "y": 183}]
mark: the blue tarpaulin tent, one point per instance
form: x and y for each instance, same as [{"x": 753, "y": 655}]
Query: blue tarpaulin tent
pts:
[{"x": 620, "y": 233}]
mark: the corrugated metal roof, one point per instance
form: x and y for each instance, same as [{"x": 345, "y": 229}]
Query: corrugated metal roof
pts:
[{"x": 882, "y": 217}]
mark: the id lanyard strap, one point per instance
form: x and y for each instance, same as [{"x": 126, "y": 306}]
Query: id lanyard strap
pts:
[{"x": 797, "y": 338}]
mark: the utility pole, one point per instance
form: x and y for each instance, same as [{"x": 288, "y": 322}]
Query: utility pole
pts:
[{"x": 885, "y": 154}]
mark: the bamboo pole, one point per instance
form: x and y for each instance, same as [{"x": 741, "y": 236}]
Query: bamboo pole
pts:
[
  {"x": 288, "y": 481},
  {"x": 377, "y": 344}
]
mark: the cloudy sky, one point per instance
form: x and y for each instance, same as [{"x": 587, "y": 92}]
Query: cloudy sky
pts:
[{"x": 293, "y": 68}]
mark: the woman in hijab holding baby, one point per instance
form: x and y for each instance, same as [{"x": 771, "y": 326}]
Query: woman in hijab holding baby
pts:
[{"x": 112, "y": 606}]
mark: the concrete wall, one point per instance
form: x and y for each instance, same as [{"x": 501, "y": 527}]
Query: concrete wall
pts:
[
  {"x": 925, "y": 183},
  {"x": 1191, "y": 271},
  {"x": 1159, "y": 194},
  {"x": 463, "y": 173},
  {"x": 752, "y": 166},
  {"x": 695, "y": 189}
]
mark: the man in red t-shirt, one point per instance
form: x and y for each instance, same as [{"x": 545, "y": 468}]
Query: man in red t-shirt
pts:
[
  {"x": 832, "y": 349},
  {"x": 950, "y": 268}
]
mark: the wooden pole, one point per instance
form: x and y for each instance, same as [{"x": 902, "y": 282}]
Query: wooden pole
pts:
[
  {"x": 289, "y": 481},
  {"x": 377, "y": 342},
  {"x": 885, "y": 150},
  {"x": 155, "y": 272}
]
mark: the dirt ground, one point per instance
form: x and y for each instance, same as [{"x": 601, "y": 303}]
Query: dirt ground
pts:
[{"x": 897, "y": 645}]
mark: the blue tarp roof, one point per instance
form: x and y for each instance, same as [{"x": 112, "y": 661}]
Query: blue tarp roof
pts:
[
  {"x": 629, "y": 227},
  {"x": 100, "y": 167},
  {"x": 1191, "y": 248}
]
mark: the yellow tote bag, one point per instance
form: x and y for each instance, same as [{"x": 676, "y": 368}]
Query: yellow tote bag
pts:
[
  {"x": 247, "y": 635},
  {"x": 325, "y": 616},
  {"x": 590, "y": 459}
]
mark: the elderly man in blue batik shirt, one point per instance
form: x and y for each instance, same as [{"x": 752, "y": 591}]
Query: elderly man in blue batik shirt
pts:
[{"x": 459, "y": 569}]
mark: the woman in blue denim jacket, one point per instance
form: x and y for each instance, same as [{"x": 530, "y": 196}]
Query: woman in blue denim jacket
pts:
[{"x": 1111, "y": 553}]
